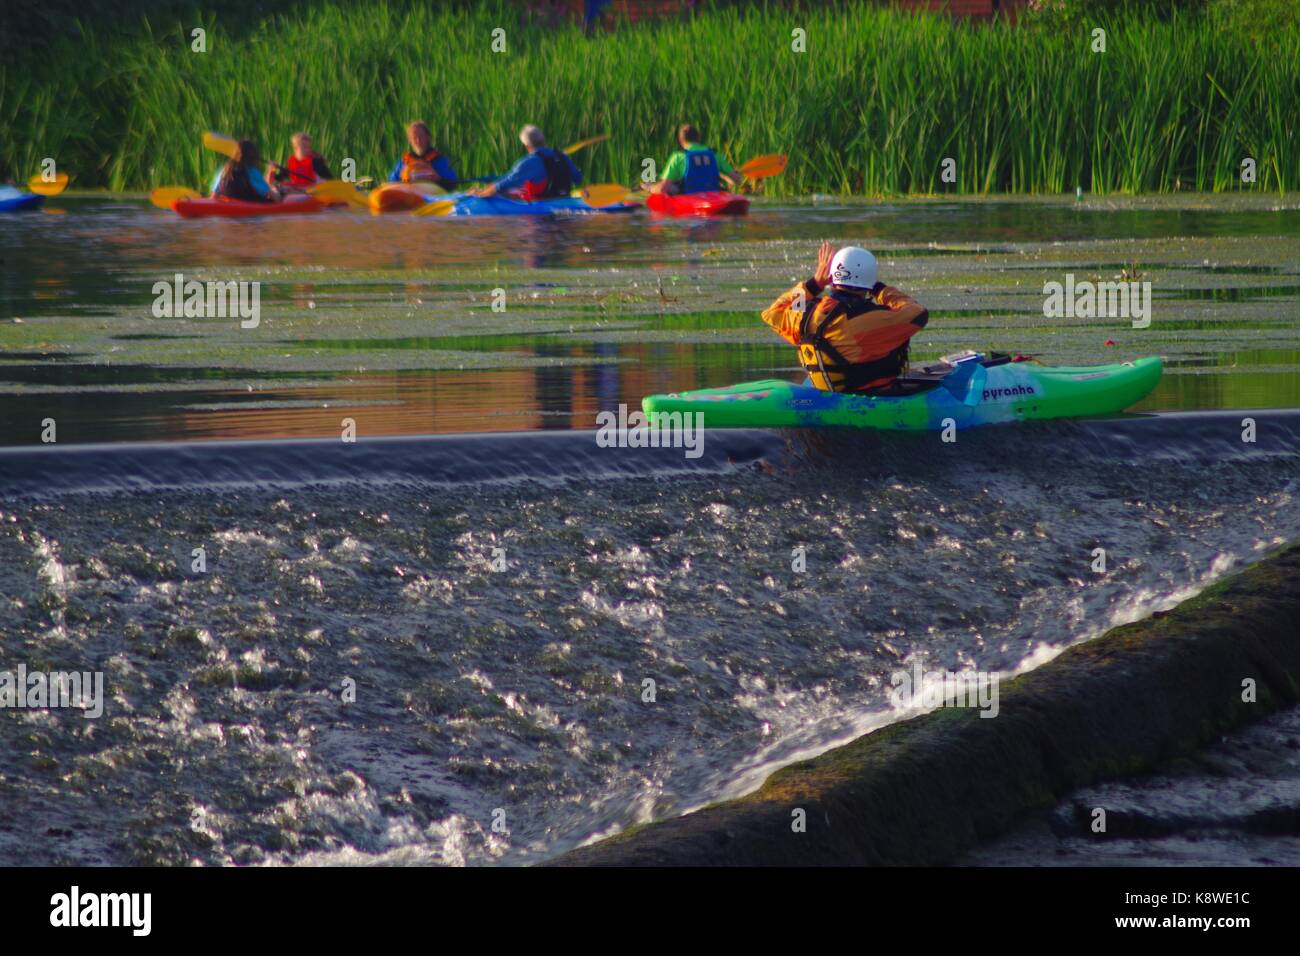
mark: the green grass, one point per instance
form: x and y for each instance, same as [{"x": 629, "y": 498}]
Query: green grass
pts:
[{"x": 876, "y": 104}]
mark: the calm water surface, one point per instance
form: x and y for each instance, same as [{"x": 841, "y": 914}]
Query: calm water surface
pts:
[{"x": 389, "y": 320}]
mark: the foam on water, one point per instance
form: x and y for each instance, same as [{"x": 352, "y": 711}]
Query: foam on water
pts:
[{"x": 226, "y": 738}]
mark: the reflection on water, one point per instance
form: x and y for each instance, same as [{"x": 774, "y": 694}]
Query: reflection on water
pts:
[
  {"x": 388, "y": 320},
  {"x": 495, "y": 400}
]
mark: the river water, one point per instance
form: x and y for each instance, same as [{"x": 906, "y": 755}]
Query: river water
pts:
[{"x": 493, "y": 644}]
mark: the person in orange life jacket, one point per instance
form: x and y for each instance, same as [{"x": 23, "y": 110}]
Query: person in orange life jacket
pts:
[
  {"x": 545, "y": 173},
  {"x": 695, "y": 168},
  {"x": 240, "y": 178},
  {"x": 304, "y": 168},
  {"x": 852, "y": 331},
  {"x": 423, "y": 163}
]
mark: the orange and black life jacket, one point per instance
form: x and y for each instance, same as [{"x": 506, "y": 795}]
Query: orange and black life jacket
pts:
[
  {"x": 819, "y": 357},
  {"x": 419, "y": 168}
]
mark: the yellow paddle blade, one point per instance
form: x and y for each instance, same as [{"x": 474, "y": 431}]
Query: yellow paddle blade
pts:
[
  {"x": 602, "y": 194},
  {"x": 440, "y": 208},
  {"x": 338, "y": 189},
  {"x": 220, "y": 143},
  {"x": 39, "y": 184},
  {"x": 164, "y": 196},
  {"x": 772, "y": 164},
  {"x": 584, "y": 143},
  {"x": 53, "y": 211}
]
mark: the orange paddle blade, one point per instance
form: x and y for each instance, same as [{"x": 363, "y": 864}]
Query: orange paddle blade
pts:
[
  {"x": 603, "y": 194},
  {"x": 338, "y": 189},
  {"x": 48, "y": 187},
  {"x": 440, "y": 208},
  {"x": 220, "y": 143},
  {"x": 164, "y": 196},
  {"x": 772, "y": 164}
]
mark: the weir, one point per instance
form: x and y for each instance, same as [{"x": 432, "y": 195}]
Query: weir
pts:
[{"x": 454, "y": 460}]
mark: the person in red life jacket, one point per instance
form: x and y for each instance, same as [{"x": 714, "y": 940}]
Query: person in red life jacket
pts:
[
  {"x": 422, "y": 163},
  {"x": 695, "y": 168},
  {"x": 240, "y": 178},
  {"x": 545, "y": 173},
  {"x": 852, "y": 331},
  {"x": 304, "y": 168}
]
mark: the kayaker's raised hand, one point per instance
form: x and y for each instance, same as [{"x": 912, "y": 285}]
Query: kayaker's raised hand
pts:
[{"x": 824, "y": 256}]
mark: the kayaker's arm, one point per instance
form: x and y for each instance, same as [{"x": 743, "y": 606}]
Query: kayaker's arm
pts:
[
  {"x": 673, "y": 173},
  {"x": 443, "y": 173},
  {"x": 785, "y": 315},
  {"x": 907, "y": 308},
  {"x": 267, "y": 190},
  {"x": 514, "y": 179},
  {"x": 728, "y": 172}
]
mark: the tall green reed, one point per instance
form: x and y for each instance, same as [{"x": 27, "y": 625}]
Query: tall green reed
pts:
[{"x": 876, "y": 104}]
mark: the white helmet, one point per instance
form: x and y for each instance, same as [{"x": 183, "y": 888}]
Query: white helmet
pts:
[{"x": 854, "y": 267}]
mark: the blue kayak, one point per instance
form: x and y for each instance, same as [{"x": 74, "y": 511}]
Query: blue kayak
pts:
[
  {"x": 505, "y": 206},
  {"x": 16, "y": 200}
]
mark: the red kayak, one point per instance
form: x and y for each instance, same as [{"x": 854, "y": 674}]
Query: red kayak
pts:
[
  {"x": 238, "y": 209},
  {"x": 698, "y": 204}
]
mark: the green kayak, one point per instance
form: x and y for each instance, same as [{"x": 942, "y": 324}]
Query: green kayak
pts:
[{"x": 968, "y": 390}]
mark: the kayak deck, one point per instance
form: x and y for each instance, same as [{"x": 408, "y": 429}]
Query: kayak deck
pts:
[
  {"x": 968, "y": 397},
  {"x": 716, "y": 203}
]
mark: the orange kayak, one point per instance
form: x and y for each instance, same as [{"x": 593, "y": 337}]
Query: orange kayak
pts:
[{"x": 402, "y": 197}]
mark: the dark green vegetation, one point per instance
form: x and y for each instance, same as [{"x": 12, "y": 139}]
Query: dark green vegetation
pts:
[
  {"x": 924, "y": 790},
  {"x": 875, "y": 105}
]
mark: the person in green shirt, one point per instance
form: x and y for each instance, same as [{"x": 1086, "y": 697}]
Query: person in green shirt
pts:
[{"x": 695, "y": 168}]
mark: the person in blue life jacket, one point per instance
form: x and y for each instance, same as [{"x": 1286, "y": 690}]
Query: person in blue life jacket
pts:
[
  {"x": 240, "y": 178},
  {"x": 695, "y": 168},
  {"x": 545, "y": 173},
  {"x": 422, "y": 163}
]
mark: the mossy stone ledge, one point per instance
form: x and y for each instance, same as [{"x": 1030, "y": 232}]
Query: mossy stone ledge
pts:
[{"x": 924, "y": 790}]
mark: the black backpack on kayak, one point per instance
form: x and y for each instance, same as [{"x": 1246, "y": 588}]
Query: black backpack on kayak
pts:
[{"x": 559, "y": 179}]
